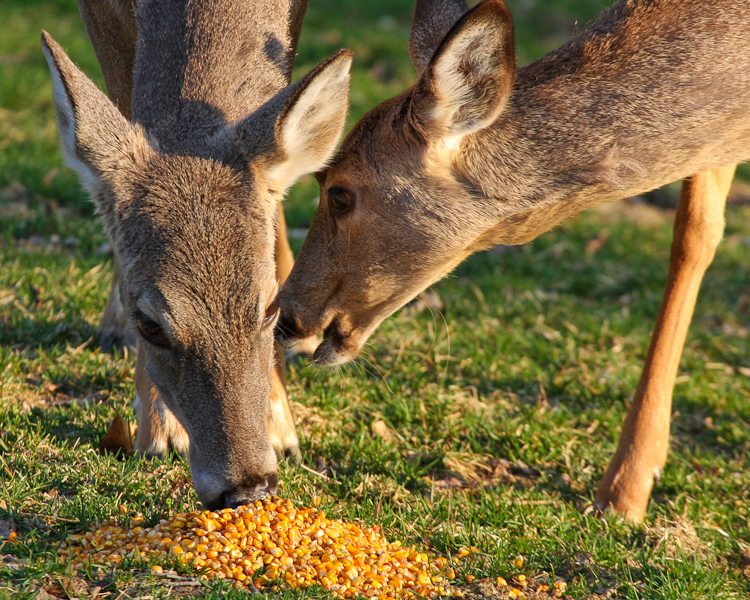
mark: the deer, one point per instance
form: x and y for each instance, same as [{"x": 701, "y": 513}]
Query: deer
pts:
[
  {"x": 478, "y": 153},
  {"x": 187, "y": 162}
]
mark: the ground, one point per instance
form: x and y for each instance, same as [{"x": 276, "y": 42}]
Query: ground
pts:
[{"x": 486, "y": 424}]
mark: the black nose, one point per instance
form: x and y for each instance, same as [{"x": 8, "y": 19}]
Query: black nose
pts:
[
  {"x": 286, "y": 329},
  {"x": 256, "y": 488}
]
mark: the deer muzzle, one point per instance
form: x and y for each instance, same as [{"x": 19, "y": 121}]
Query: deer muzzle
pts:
[
  {"x": 233, "y": 485},
  {"x": 337, "y": 347}
]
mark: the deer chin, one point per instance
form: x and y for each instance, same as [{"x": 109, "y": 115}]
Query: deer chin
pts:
[
  {"x": 338, "y": 347},
  {"x": 328, "y": 355}
]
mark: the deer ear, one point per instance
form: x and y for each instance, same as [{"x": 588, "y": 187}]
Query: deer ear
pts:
[
  {"x": 92, "y": 130},
  {"x": 469, "y": 79},
  {"x": 311, "y": 122},
  {"x": 433, "y": 20}
]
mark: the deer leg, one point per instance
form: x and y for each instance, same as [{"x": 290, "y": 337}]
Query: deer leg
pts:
[
  {"x": 158, "y": 429},
  {"x": 642, "y": 449},
  {"x": 281, "y": 426},
  {"x": 114, "y": 328},
  {"x": 280, "y": 420}
]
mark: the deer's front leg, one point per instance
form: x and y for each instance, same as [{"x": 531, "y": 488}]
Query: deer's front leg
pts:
[
  {"x": 280, "y": 420},
  {"x": 281, "y": 426},
  {"x": 114, "y": 328},
  {"x": 642, "y": 449},
  {"x": 158, "y": 429}
]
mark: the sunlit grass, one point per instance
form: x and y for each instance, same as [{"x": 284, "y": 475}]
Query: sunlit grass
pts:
[{"x": 503, "y": 409}]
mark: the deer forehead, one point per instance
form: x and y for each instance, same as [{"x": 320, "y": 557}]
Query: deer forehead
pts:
[
  {"x": 383, "y": 146},
  {"x": 164, "y": 179},
  {"x": 195, "y": 255},
  {"x": 205, "y": 206},
  {"x": 229, "y": 313},
  {"x": 197, "y": 242}
]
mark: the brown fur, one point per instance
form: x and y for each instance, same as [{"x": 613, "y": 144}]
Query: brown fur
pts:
[
  {"x": 478, "y": 153},
  {"x": 188, "y": 189}
]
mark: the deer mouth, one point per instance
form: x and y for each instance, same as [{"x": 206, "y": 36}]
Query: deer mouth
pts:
[
  {"x": 342, "y": 340},
  {"x": 337, "y": 346}
]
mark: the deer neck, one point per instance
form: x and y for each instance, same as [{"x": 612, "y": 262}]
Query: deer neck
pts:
[{"x": 201, "y": 64}]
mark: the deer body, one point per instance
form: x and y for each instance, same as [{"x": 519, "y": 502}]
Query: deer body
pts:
[
  {"x": 647, "y": 96},
  {"x": 188, "y": 189},
  {"x": 478, "y": 153}
]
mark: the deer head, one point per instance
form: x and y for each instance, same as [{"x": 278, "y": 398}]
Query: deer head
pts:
[
  {"x": 394, "y": 217},
  {"x": 191, "y": 215}
]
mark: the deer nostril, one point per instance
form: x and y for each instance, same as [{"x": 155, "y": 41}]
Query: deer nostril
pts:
[
  {"x": 286, "y": 329},
  {"x": 246, "y": 494},
  {"x": 232, "y": 500}
]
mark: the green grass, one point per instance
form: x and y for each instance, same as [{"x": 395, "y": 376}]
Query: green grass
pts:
[{"x": 533, "y": 361}]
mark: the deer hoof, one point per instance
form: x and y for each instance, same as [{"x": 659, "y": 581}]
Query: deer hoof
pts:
[
  {"x": 285, "y": 442},
  {"x": 630, "y": 504},
  {"x": 291, "y": 453}
]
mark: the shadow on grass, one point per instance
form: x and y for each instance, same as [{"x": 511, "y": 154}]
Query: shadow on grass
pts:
[
  {"x": 30, "y": 334},
  {"x": 697, "y": 426},
  {"x": 510, "y": 463},
  {"x": 64, "y": 427}
]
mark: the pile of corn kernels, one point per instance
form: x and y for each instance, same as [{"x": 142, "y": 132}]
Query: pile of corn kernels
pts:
[{"x": 272, "y": 544}]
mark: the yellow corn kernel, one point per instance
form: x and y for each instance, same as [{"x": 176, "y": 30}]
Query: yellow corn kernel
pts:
[
  {"x": 424, "y": 578},
  {"x": 210, "y": 525}
]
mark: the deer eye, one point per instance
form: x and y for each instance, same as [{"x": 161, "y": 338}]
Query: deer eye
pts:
[
  {"x": 150, "y": 330},
  {"x": 271, "y": 312},
  {"x": 340, "y": 200}
]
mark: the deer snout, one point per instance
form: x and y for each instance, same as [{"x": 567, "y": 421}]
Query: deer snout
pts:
[
  {"x": 286, "y": 332},
  {"x": 224, "y": 482},
  {"x": 253, "y": 489},
  {"x": 338, "y": 347},
  {"x": 216, "y": 494},
  {"x": 290, "y": 329}
]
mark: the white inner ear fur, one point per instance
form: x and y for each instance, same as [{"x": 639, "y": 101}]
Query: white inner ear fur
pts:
[
  {"x": 67, "y": 126},
  {"x": 469, "y": 56},
  {"x": 312, "y": 126}
]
